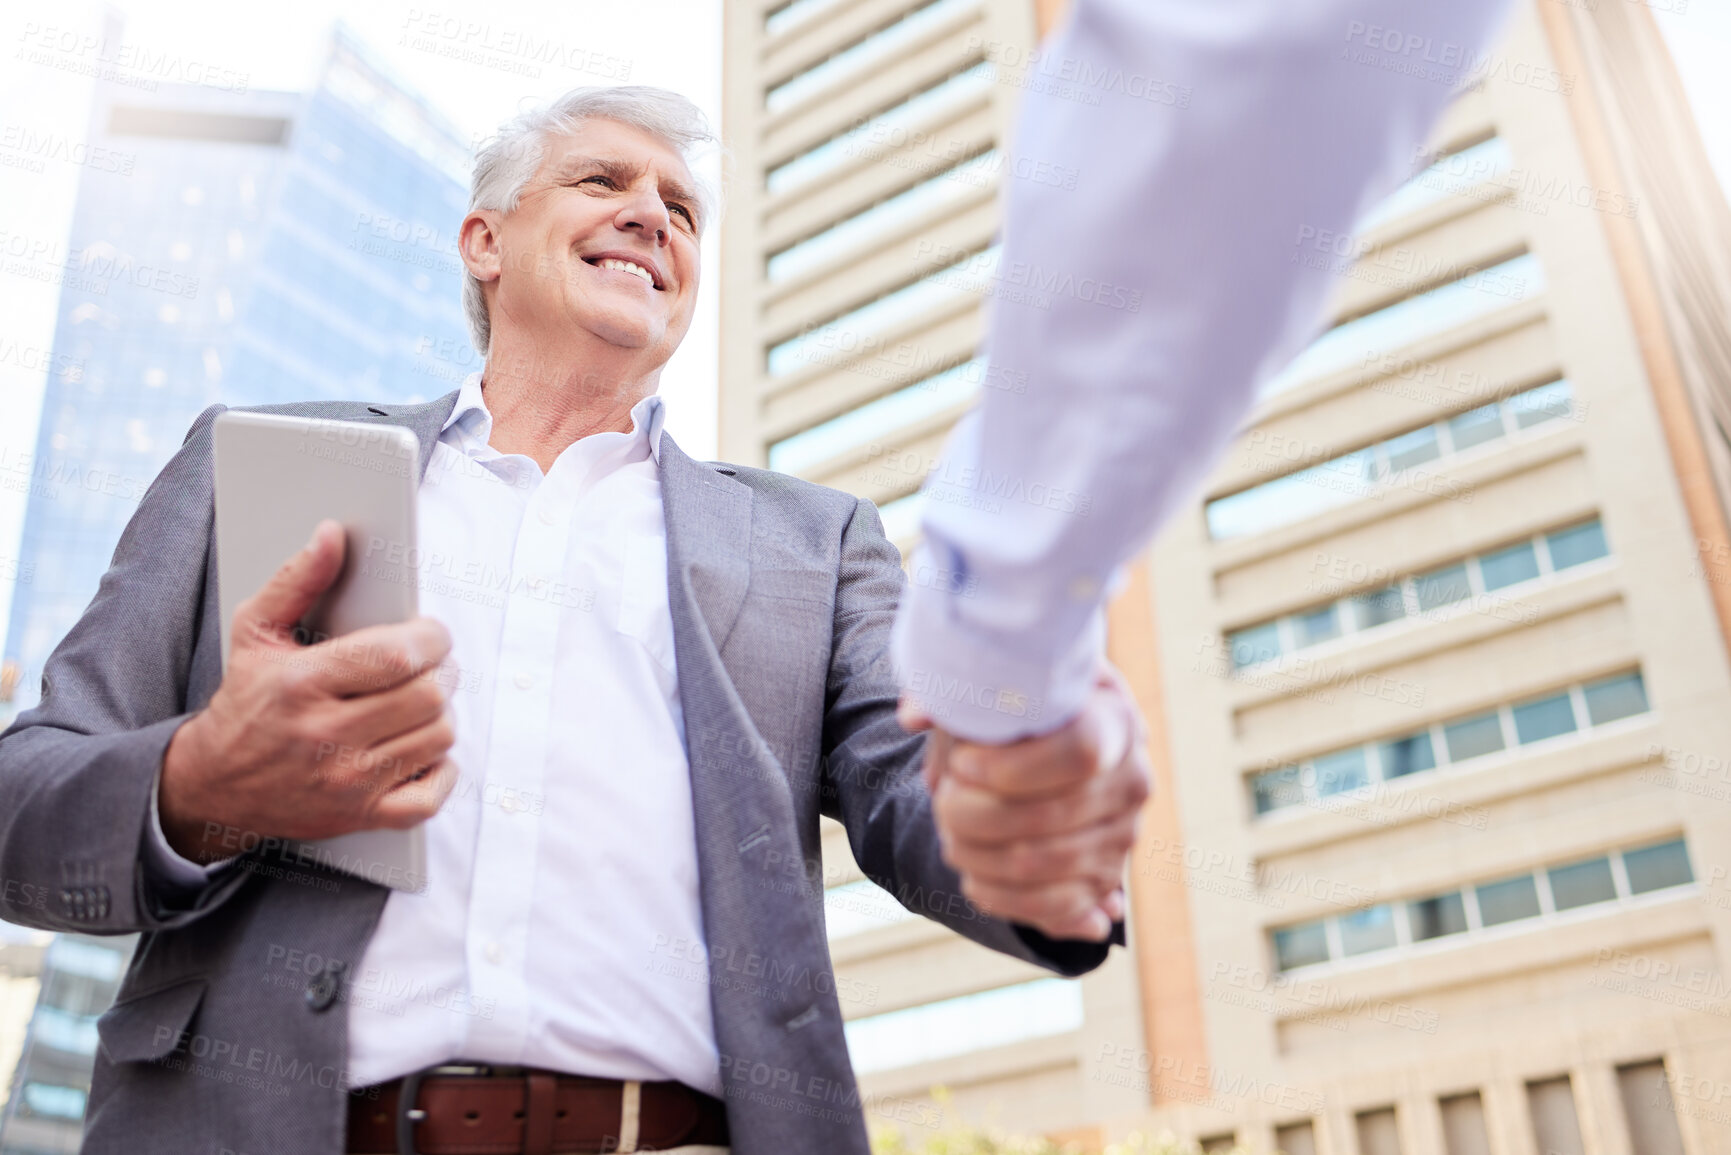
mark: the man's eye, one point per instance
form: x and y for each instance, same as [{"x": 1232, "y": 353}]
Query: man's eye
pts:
[
  {"x": 608, "y": 181},
  {"x": 684, "y": 212}
]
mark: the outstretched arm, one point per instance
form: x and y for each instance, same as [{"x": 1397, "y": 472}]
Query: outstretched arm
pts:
[{"x": 1224, "y": 130}]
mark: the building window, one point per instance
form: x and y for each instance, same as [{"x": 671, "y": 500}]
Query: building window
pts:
[
  {"x": 1615, "y": 698},
  {"x": 1582, "y": 883},
  {"x": 867, "y": 229},
  {"x": 1431, "y": 595},
  {"x": 1378, "y": 1133},
  {"x": 1508, "y": 900},
  {"x": 54, "y": 1101},
  {"x": 1295, "y": 1138},
  {"x": 1297, "y": 946},
  {"x": 885, "y": 134},
  {"x": 876, "y": 420},
  {"x": 958, "y": 1026},
  {"x": 1457, "y": 174},
  {"x": 793, "y": 15},
  {"x": 1362, "y": 340},
  {"x": 1463, "y": 1125},
  {"x": 1649, "y": 1109},
  {"x": 1461, "y": 740},
  {"x": 1604, "y": 881},
  {"x": 1658, "y": 867},
  {"x": 1386, "y": 464},
  {"x": 856, "y": 334},
  {"x": 862, "y": 55},
  {"x": 1555, "y": 1124}
]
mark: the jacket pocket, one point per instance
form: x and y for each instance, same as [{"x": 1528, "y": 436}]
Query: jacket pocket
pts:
[{"x": 146, "y": 1027}]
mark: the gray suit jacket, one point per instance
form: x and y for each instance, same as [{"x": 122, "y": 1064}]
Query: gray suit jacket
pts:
[{"x": 782, "y": 595}]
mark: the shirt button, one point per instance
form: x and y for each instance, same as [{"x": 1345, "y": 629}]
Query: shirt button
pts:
[
  {"x": 546, "y": 516},
  {"x": 524, "y": 681},
  {"x": 495, "y": 953}
]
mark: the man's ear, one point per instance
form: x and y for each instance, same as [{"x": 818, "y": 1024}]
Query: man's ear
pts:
[{"x": 478, "y": 243}]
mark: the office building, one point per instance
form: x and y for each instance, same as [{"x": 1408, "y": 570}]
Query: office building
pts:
[
  {"x": 1436, "y": 662},
  {"x": 78, "y": 978},
  {"x": 243, "y": 247}
]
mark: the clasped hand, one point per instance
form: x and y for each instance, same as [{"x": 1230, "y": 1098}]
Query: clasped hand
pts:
[{"x": 1040, "y": 829}]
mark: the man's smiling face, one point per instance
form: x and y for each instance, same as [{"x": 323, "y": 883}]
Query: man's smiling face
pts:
[{"x": 603, "y": 239}]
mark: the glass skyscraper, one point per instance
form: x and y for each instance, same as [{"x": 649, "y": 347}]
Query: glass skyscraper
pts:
[
  {"x": 247, "y": 248},
  {"x": 244, "y": 248}
]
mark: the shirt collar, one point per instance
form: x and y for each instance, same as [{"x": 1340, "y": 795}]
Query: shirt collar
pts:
[{"x": 475, "y": 420}]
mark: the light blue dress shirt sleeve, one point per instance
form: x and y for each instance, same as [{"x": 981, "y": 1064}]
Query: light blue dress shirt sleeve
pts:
[
  {"x": 1150, "y": 300},
  {"x": 182, "y": 877}
]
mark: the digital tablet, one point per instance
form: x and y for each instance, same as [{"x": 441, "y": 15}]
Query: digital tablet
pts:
[{"x": 276, "y": 478}]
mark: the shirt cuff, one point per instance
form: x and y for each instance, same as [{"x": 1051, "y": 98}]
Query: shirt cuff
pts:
[
  {"x": 989, "y": 690},
  {"x": 166, "y": 866}
]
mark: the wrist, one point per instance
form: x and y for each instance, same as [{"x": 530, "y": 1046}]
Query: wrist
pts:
[{"x": 186, "y": 823}]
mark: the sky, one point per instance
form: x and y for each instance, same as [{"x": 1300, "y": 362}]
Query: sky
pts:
[
  {"x": 1698, "y": 32},
  {"x": 433, "y": 46}
]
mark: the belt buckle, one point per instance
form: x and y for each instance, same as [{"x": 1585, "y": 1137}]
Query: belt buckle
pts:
[{"x": 408, "y": 1114}]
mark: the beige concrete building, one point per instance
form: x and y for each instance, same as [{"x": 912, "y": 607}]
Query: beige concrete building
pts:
[{"x": 1437, "y": 662}]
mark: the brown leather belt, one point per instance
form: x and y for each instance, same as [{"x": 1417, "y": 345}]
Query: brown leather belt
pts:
[{"x": 474, "y": 1109}]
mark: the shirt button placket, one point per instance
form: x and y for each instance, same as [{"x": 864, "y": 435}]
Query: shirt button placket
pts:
[{"x": 518, "y": 744}]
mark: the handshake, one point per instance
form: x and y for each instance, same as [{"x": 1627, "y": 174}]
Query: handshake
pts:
[{"x": 1040, "y": 829}]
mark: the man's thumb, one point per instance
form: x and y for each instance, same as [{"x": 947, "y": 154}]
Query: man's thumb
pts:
[{"x": 292, "y": 590}]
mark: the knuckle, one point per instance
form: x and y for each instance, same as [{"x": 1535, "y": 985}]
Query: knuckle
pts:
[{"x": 428, "y": 697}]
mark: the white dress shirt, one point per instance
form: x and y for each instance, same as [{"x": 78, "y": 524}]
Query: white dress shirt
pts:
[
  {"x": 1222, "y": 129},
  {"x": 561, "y": 926}
]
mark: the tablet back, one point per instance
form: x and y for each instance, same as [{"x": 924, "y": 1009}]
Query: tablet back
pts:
[{"x": 276, "y": 478}]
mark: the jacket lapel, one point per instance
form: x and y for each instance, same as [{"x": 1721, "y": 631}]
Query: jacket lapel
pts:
[
  {"x": 424, "y": 421},
  {"x": 708, "y": 540}
]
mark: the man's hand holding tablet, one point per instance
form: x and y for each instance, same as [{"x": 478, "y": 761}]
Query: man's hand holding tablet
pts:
[{"x": 311, "y": 742}]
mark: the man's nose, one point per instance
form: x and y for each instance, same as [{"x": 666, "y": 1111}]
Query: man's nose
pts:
[{"x": 645, "y": 213}]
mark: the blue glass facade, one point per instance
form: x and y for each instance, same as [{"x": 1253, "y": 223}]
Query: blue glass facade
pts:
[
  {"x": 260, "y": 248},
  {"x": 264, "y": 247}
]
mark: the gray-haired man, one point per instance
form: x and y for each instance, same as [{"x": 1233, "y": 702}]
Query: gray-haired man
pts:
[{"x": 654, "y": 676}]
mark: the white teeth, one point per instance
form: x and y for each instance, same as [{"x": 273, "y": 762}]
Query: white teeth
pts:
[{"x": 628, "y": 267}]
